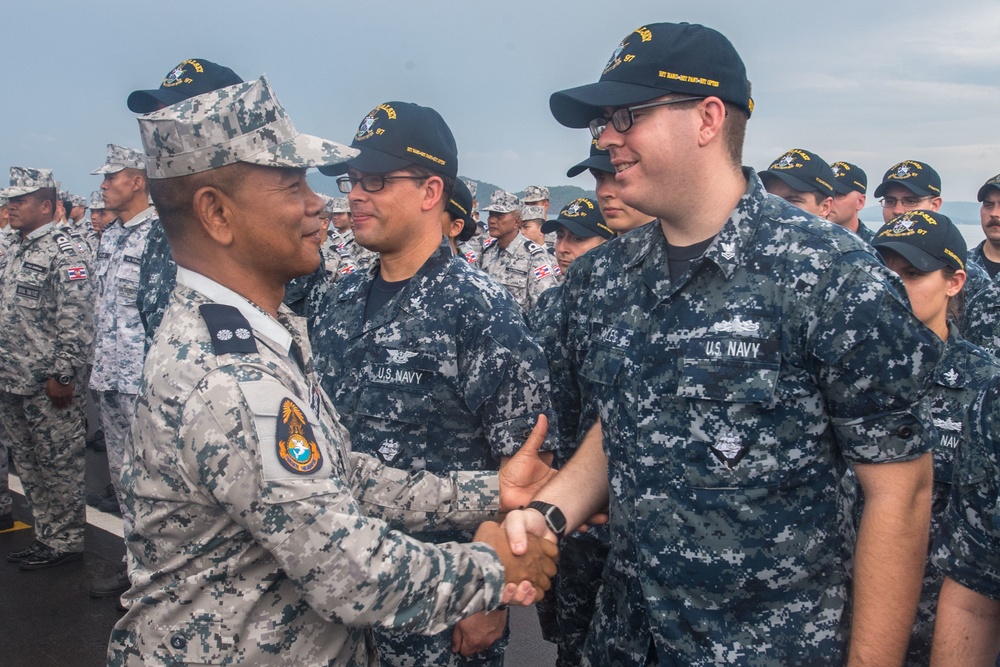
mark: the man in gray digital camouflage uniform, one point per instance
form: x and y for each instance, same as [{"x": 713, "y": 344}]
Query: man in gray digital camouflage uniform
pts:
[
  {"x": 537, "y": 195},
  {"x": 259, "y": 537},
  {"x": 6, "y": 504},
  {"x": 512, "y": 260},
  {"x": 46, "y": 329},
  {"x": 157, "y": 272},
  {"x": 119, "y": 338},
  {"x": 100, "y": 215},
  {"x": 740, "y": 354},
  {"x": 340, "y": 261},
  {"x": 428, "y": 361}
]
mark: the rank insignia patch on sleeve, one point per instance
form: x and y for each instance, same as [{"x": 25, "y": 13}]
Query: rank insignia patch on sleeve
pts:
[{"x": 297, "y": 448}]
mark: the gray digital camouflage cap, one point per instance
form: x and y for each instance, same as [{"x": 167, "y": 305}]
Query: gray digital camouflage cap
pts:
[
  {"x": 327, "y": 202},
  {"x": 502, "y": 201},
  {"x": 77, "y": 200},
  {"x": 532, "y": 213},
  {"x": 24, "y": 180},
  {"x": 120, "y": 157},
  {"x": 534, "y": 193},
  {"x": 339, "y": 205},
  {"x": 97, "y": 200},
  {"x": 240, "y": 123},
  {"x": 471, "y": 185}
]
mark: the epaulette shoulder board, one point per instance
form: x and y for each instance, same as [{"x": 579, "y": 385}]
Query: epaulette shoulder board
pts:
[
  {"x": 64, "y": 242},
  {"x": 230, "y": 330}
]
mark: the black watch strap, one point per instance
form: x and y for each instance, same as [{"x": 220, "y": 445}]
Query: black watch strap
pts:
[{"x": 553, "y": 517}]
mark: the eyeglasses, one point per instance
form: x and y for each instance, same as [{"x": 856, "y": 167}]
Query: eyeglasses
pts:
[
  {"x": 908, "y": 202},
  {"x": 371, "y": 182},
  {"x": 622, "y": 118}
]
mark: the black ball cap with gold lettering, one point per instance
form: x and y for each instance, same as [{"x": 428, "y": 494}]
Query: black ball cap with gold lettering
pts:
[
  {"x": 396, "y": 135},
  {"x": 599, "y": 159},
  {"x": 849, "y": 178},
  {"x": 194, "y": 76},
  {"x": 917, "y": 177},
  {"x": 927, "y": 240},
  {"x": 801, "y": 170},
  {"x": 656, "y": 60},
  {"x": 583, "y": 218}
]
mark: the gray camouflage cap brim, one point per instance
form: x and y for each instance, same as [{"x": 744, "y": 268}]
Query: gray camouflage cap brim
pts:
[
  {"x": 17, "y": 191},
  {"x": 240, "y": 123},
  {"x": 25, "y": 180}
]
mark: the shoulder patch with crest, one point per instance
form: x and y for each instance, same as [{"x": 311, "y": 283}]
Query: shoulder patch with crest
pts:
[
  {"x": 294, "y": 439},
  {"x": 230, "y": 330}
]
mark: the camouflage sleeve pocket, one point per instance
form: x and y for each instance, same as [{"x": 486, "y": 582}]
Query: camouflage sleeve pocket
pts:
[{"x": 202, "y": 640}]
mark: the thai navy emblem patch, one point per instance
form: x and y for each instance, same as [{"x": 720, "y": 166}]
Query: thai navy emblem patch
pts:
[{"x": 297, "y": 448}]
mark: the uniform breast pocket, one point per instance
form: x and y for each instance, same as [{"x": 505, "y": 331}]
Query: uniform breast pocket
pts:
[
  {"x": 28, "y": 293},
  {"x": 127, "y": 276},
  {"x": 602, "y": 364},
  {"x": 730, "y": 387}
]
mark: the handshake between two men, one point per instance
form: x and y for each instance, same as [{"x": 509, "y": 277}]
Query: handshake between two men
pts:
[{"x": 526, "y": 542}]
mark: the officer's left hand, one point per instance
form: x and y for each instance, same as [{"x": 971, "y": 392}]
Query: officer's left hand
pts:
[
  {"x": 478, "y": 632},
  {"x": 526, "y": 472},
  {"x": 60, "y": 395}
]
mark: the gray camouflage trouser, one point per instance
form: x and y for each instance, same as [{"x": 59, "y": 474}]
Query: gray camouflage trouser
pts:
[
  {"x": 116, "y": 417},
  {"x": 48, "y": 448},
  {"x": 5, "y": 501}
]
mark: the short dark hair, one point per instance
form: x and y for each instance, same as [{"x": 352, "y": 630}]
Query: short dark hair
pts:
[
  {"x": 820, "y": 197},
  {"x": 735, "y": 132},
  {"x": 424, "y": 172},
  {"x": 45, "y": 194},
  {"x": 173, "y": 197}
]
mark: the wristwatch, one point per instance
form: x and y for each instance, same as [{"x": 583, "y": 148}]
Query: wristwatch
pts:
[
  {"x": 64, "y": 380},
  {"x": 554, "y": 517}
]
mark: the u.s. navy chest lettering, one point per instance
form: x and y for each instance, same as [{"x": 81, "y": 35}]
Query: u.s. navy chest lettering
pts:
[{"x": 736, "y": 349}]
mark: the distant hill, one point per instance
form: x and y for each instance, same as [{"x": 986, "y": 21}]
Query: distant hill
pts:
[{"x": 559, "y": 195}]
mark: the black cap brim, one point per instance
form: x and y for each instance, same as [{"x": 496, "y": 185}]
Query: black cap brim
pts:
[
  {"x": 370, "y": 161},
  {"x": 791, "y": 181},
  {"x": 550, "y": 226},
  {"x": 598, "y": 162},
  {"x": 147, "y": 101},
  {"x": 985, "y": 190},
  {"x": 842, "y": 188},
  {"x": 920, "y": 192},
  {"x": 912, "y": 254},
  {"x": 576, "y": 107}
]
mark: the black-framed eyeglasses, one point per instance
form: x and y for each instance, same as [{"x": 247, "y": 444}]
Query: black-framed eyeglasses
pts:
[
  {"x": 908, "y": 202},
  {"x": 370, "y": 182},
  {"x": 621, "y": 119}
]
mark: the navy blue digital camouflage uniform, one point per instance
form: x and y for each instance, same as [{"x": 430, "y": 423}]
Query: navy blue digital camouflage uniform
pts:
[
  {"x": 968, "y": 547},
  {"x": 731, "y": 402},
  {"x": 565, "y": 616},
  {"x": 962, "y": 372},
  {"x": 443, "y": 377},
  {"x": 964, "y": 369},
  {"x": 157, "y": 277},
  {"x": 981, "y": 310}
]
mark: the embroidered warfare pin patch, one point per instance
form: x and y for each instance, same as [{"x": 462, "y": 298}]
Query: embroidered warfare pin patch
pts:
[{"x": 297, "y": 448}]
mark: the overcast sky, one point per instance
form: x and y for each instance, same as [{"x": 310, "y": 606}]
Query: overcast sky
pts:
[{"x": 868, "y": 82}]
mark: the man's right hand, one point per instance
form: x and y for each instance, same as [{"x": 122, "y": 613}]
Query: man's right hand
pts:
[{"x": 536, "y": 567}]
